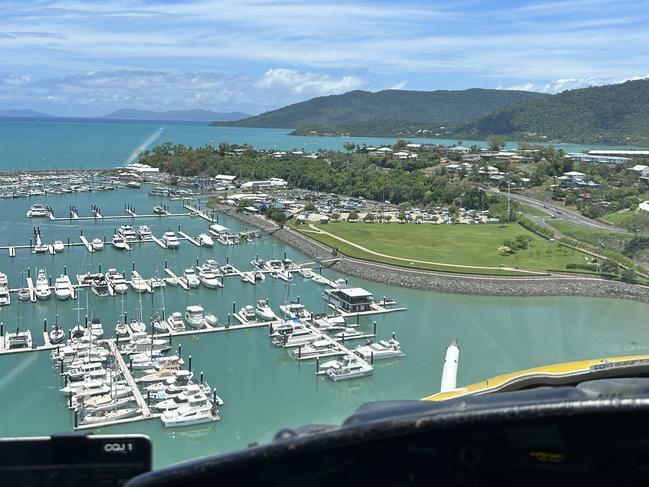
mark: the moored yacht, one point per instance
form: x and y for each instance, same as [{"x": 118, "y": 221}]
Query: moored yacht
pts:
[
  {"x": 175, "y": 321},
  {"x": 58, "y": 246},
  {"x": 352, "y": 368},
  {"x": 383, "y": 349},
  {"x": 43, "y": 290},
  {"x": 63, "y": 287},
  {"x": 170, "y": 240},
  {"x": 117, "y": 281},
  {"x": 5, "y": 296},
  {"x": 18, "y": 339},
  {"x": 192, "y": 279},
  {"x": 144, "y": 232},
  {"x": 264, "y": 311},
  {"x": 138, "y": 283},
  {"x": 187, "y": 415},
  {"x": 209, "y": 278},
  {"x": 119, "y": 243},
  {"x": 205, "y": 240},
  {"x": 194, "y": 317},
  {"x": 127, "y": 233},
  {"x": 37, "y": 211},
  {"x": 56, "y": 335},
  {"x": 97, "y": 244}
]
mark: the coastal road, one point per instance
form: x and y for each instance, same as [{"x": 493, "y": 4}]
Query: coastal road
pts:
[{"x": 559, "y": 212}]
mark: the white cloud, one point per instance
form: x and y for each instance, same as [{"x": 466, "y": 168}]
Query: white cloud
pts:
[
  {"x": 559, "y": 85},
  {"x": 399, "y": 86},
  {"x": 294, "y": 82}
]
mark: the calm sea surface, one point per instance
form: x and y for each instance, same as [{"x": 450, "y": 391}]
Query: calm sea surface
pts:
[{"x": 68, "y": 143}]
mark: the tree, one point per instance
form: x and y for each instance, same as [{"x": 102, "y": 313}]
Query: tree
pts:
[
  {"x": 610, "y": 267},
  {"x": 401, "y": 144},
  {"x": 496, "y": 142},
  {"x": 310, "y": 207},
  {"x": 628, "y": 275},
  {"x": 276, "y": 214},
  {"x": 401, "y": 216},
  {"x": 353, "y": 216},
  {"x": 369, "y": 218},
  {"x": 349, "y": 146}
]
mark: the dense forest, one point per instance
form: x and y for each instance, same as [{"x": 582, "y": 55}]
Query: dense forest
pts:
[
  {"x": 387, "y": 112},
  {"x": 612, "y": 114},
  {"x": 352, "y": 174}
]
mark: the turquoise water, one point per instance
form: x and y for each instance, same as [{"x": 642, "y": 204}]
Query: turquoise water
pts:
[
  {"x": 52, "y": 144},
  {"x": 263, "y": 387}
]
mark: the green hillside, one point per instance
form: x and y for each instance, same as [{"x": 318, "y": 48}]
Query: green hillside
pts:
[
  {"x": 612, "y": 114},
  {"x": 387, "y": 112}
]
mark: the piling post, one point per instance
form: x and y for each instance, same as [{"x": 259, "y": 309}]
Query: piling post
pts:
[
  {"x": 374, "y": 327},
  {"x": 190, "y": 363},
  {"x": 148, "y": 397},
  {"x": 317, "y": 365},
  {"x": 234, "y": 305},
  {"x": 44, "y": 325},
  {"x": 298, "y": 299},
  {"x": 371, "y": 358},
  {"x": 299, "y": 352},
  {"x": 358, "y": 318},
  {"x": 343, "y": 338},
  {"x": 65, "y": 270},
  {"x": 202, "y": 378},
  {"x": 50, "y": 281},
  {"x": 229, "y": 317},
  {"x": 130, "y": 363},
  {"x": 180, "y": 350}
]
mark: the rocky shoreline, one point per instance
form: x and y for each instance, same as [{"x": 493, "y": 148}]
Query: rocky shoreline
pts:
[{"x": 448, "y": 282}]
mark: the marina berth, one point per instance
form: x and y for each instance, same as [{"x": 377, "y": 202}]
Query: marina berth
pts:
[
  {"x": 63, "y": 287},
  {"x": 58, "y": 246},
  {"x": 96, "y": 329},
  {"x": 350, "y": 368},
  {"x": 317, "y": 348},
  {"x": 139, "y": 284},
  {"x": 175, "y": 322},
  {"x": 100, "y": 286},
  {"x": 205, "y": 240},
  {"x": 144, "y": 232},
  {"x": 209, "y": 277},
  {"x": 116, "y": 281},
  {"x": 127, "y": 233}
]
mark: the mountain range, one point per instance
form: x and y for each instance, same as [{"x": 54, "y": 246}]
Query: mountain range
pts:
[{"x": 611, "y": 114}]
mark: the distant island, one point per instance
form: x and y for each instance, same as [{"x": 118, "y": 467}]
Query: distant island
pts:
[
  {"x": 18, "y": 113},
  {"x": 612, "y": 114},
  {"x": 175, "y": 115}
]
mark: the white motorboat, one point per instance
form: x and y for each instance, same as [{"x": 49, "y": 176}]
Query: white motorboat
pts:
[
  {"x": 211, "y": 319},
  {"x": 63, "y": 287},
  {"x": 138, "y": 284},
  {"x": 100, "y": 286},
  {"x": 316, "y": 349},
  {"x": 23, "y": 294},
  {"x": 264, "y": 311},
  {"x": 192, "y": 396},
  {"x": 175, "y": 321},
  {"x": 294, "y": 310},
  {"x": 18, "y": 339},
  {"x": 192, "y": 279},
  {"x": 107, "y": 402},
  {"x": 157, "y": 283},
  {"x": 159, "y": 210},
  {"x": 37, "y": 211},
  {"x": 383, "y": 349},
  {"x": 209, "y": 278},
  {"x": 352, "y": 368},
  {"x": 127, "y": 233},
  {"x": 248, "y": 313},
  {"x": 157, "y": 376},
  {"x": 133, "y": 184},
  {"x": 5, "y": 296},
  {"x": 258, "y": 263},
  {"x": 194, "y": 317},
  {"x": 58, "y": 246},
  {"x": 260, "y": 276},
  {"x": 205, "y": 240},
  {"x": 331, "y": 323},
  {"x": 117, "y": 281},
  {"x": 146, "y": 345},
  {"x": 306, "y": 272},
  {"x": 97, "y": 244},
  {"x": 144, "y": 232},
  {"x": 146, "y": 361},
  {"x": 56, "y": 335},
  {"x": 348, "y": 334},
  {"x": 43, "y": 290},
  {"x": 86, "y": 388},
  {"x": 119, "y": 243},
  {"x": 300, "y": 337},
  {"x": 170, "y": 240},
  {"x": 187, "y": 415},
  {"x": 96, "y": 328}
]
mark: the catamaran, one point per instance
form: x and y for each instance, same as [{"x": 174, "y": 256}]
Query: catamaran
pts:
[
  {"x": 5, "y": 296},
  {"x": 383, "y": 349},
  {"x": 18, "y": 339}
]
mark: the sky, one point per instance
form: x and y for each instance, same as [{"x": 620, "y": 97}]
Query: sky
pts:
[{"x": 87, "y": 58}]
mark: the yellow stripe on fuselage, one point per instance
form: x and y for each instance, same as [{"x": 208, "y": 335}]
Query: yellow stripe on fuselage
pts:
[{"x": 554, "y": 373}]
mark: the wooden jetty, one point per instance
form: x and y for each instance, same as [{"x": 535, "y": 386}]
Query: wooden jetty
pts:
[
  {"x": 182, "y": 282},
  {"x": 191, "y": 239},
  {"x": 86, "y": 244}
]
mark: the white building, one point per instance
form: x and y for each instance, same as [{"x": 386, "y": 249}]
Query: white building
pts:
[
  {"x": 595, "y": 158},
  {"x": 270, "y": 183}
]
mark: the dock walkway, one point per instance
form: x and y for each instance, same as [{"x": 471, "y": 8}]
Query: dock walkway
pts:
[{"x": 119, "y": 360}]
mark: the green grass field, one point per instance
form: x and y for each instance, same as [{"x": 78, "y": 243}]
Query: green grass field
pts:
[
  {"x": 464, "y": 245},
  {"x": 619, "y": 217},
  {"x": 592, "y": 236}
]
